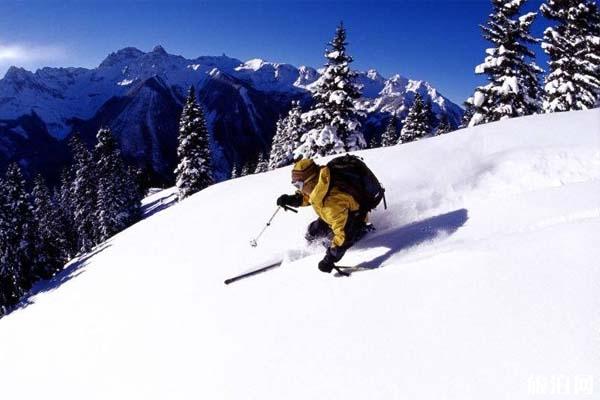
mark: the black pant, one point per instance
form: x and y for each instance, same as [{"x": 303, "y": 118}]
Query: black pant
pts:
[{"x": 354, "y": 229}]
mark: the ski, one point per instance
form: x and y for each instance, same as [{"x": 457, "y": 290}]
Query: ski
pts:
[
  {"x": 346, "y": 271},
  {"x": 252, "y": 273},
  {"x": 340, "y": 270}
]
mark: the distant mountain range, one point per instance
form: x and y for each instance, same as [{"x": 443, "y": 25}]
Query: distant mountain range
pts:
[{"x": 140, "y": 95}]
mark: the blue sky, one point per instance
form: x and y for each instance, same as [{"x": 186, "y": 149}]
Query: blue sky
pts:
[{"x": 434, "y": 40}]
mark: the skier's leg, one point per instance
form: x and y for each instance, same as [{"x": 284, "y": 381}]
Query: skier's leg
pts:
[
  {"x": 354, "y": 231},
  {"x": 356, "y": 228},
  {"x": 317, "y": 229}
]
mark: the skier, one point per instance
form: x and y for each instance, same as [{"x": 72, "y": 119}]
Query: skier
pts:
[{"x": 341, "y": 219}]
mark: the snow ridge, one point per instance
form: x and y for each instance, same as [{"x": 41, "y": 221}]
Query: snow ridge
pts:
[{"x": 59, "y": 94}]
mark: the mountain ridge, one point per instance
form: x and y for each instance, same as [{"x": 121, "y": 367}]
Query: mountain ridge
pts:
[{"x": 257, "y": 91}]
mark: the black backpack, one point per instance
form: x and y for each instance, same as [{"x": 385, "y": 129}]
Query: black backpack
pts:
[{"x": 351, "y": 175}]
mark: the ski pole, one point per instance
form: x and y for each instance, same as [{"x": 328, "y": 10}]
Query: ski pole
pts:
[
  {"x": 253, "y": 242},
  {"x": 288, "y": 208},
  {"x": 252, "y": 273}
]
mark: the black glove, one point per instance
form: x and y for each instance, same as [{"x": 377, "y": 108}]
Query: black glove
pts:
[
  {"x": 292, "y": 200},
  {"x": 325, "y": 265},
  {"x": 333, "y": 255}
]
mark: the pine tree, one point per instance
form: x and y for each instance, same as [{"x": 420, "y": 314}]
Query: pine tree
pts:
[
  {"x": 134, "y": 194},
  {"x": 138, "y": 176},
  {"x": 10, "y": 276},
  {"x": 64, "y": 200},
  {"x": 262, "y": 165},
  {"x": 468, "y": 114},
  {"x": 444, "y": 125},
  {"x": 83, "y": 196},
  {"x": 332, "y": 123},
  {"x": 16, "y": 247},
  {"x": 416, "y": 124},
  {"x": 374, "y": 143},
  {"x": 430, "y": 116},
  {"x": 118, "y": 190},
  {"x": 234, "y": 172},
  {"x": 277, "y": 155},
  {"x": 194, "y": 169},
  {"x": 287, "y": 137},
  {"x": 50, "y": 242},
  {"x": 390, "y": 136},
  {"x": 513, "y": 89},
  {"x": 573, "y": 47},
  {"x": 246, "y": 169}
]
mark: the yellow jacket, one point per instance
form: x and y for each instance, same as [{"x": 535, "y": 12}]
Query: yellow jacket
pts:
[{"x": 333, "y": 208}]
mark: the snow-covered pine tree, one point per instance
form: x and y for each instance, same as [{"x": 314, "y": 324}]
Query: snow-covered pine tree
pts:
[
  {"x": 430, "y": 115},
  {"x": 8, "y": 289},
  {"x": 573, "y": 47},
  {"x": 416, "y": 124},
  {"x": 50, "y": 244},
  {"x": 234, "y": 172},
  {"x": 513, "y": 89},
  {"x": 390, "y": 135},
  {"x": 375, "y": 142},
  {"x": 246, "y": 169},
  {"x": 83, "y": 195},
  {"x": 135, "y": 192},
  {"x": 194, "y": 169},
  {"x": 262, "y": 165},
  {"x": 468, "y": 114},
  {"x": 444, "y": 125},
  {"x": 333, "y": 122},
  {"x": 277, "y": 155},
  {"x": 108, "y": 201},
  {"x": 10, "y": 276},
  {"x": 16, "y": 248},
  {"x": 118, "y": 190},
  {"x": 64, "y": 200},
  {"x": 287, "y": 137}
]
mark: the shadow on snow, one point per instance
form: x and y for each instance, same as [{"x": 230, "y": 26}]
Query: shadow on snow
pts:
[
  {"x": 404, "y": 237},
  {"x": 73, "y": 270},
  {"x": 159, "y": 205}
]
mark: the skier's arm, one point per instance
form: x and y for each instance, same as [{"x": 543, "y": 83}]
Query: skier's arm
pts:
[
  {"x": 305, "y": 198},
  {"x": 292, "y": 200}
]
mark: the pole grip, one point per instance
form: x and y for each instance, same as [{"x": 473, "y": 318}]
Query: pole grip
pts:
[{"x": 288, "y": 208}]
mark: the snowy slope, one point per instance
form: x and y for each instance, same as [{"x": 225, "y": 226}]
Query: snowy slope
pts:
[{"x": 485, "y": 286}]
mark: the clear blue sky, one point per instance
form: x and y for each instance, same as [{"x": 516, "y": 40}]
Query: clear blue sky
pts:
[{"x": 434, "y": 40}]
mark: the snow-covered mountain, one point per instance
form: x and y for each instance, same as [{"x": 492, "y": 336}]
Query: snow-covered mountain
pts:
[
  {"x": 139, "y": 95},
  {"x": 483, "y": 284}
]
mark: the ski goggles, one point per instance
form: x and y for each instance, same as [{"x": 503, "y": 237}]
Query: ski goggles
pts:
[{"x": 298, "y": 184}]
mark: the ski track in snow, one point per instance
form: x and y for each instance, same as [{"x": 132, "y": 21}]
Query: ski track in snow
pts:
[{"x": 480, "y": 280}]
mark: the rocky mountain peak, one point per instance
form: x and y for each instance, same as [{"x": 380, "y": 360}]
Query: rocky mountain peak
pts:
[
  {"x": 17, "y": 74},
  {"x": 158, "y": 49},
  {"x": 374, "y": 75},
  {"x": 121, "y": 56}
]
